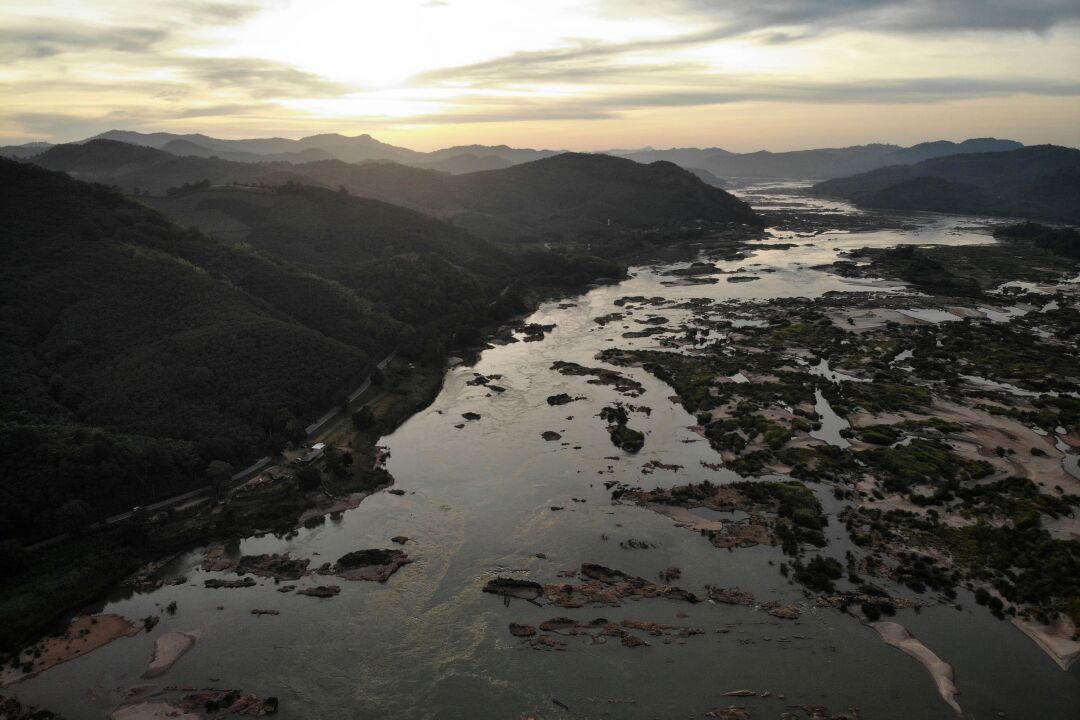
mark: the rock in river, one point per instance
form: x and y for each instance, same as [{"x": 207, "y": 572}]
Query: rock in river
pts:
[
  {"x": 276, "y": 565},
  {"x": 522, "y": 630},
  {"x": 219, "y": 583},
  {"x": 512, "y": 587},
  {"x": 373, "y": 564}
]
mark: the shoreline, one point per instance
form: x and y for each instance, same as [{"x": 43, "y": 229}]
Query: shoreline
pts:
[
  {"x": 83, "y": 635},
  {"x": 901, "y": 638},
  {"x": 1055, "y": 640}
]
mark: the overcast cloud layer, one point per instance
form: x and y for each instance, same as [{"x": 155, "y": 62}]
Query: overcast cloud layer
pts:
[{"x": 740, "y": 74}]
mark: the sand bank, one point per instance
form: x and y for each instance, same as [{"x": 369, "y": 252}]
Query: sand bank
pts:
[
  {"x": 1055, "y": 639},
  {"x": 84, "y": 634},
  {"x": 167, "y": 650},
  {"x": 942, "y": 672}
]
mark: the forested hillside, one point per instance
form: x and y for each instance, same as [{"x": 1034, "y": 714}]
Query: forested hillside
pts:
[
  {"x": 135, "y": 168},
  {"x": 139, "y": 352},
  {"x": 568, "y": 196},
  {"x": 1041, "y": 181}
]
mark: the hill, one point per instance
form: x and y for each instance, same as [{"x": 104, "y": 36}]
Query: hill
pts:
[
  {"x": 186, "y": 148},
  {"x": 337, "y": 236},
  {"x": 137, "y": 353},
  {"x": 512, "y": 156},
  {"x": 816, "y": 163},
  {"x": 558, "y": 197},
  {"x": 329, "y": 145},
  {"x": 1041, "y": 181},
  {"x": 553, "y": 198},
  {"x": 467, "y": 163},
  {"x": 27, "y": 150},
  {"x": 141, "y": 168}
]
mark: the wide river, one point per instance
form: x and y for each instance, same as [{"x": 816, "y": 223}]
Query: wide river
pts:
[{"x": 478, "y": 503}]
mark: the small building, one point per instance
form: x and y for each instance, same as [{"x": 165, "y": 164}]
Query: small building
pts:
[{"x": 313, "y": 454}]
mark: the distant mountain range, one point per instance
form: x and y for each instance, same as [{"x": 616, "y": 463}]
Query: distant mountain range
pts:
[
  {"x": 809, "y": 164},
  {"x": 332, "y": 146},
  {"x": 815, "y": 164},
  {"x": 1041, "y": 181},
  {"x": 549, "y": 198}
]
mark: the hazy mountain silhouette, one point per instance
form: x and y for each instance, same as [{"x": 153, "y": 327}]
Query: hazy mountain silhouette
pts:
[
  {"x": 572, "y": 192},
  {"x": 1041, "y": 181},
  {"x": 818, "y": 163}
]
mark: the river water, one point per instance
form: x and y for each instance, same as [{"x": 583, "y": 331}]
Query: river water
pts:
[{"x": 478, "y": 503}]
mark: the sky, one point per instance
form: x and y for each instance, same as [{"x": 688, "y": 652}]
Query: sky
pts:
[{"x": 743, "y": 75}]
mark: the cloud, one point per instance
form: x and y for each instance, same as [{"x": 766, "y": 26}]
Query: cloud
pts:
[
  {"x": 747, "y": 89},
  {"x": 915, "y": 16},
  {"x": 50, "y": 39},
  {"x": 899, "y": 91},
  {"x": 259, "y": 78},
  {"x": 139, "y": 28},
  {"x": 764, "y": 21},
  {"x": 233, "y": 12}
]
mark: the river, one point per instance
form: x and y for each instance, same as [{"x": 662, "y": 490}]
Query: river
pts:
[{"x": 478, "y": 503}]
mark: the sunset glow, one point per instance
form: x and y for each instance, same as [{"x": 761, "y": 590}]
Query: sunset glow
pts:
[{"x": 577, "y": 75}]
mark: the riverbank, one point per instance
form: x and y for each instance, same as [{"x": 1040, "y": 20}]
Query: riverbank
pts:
[{"x": 83, "y": 635}]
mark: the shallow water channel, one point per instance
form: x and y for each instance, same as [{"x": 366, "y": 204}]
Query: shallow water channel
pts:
[{"x": 478, "y": 503}]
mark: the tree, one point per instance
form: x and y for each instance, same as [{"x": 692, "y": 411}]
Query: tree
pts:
[
  {"x": 219, "y": 472},
  {"x": 377, "y": 376},
  {"x": 13, "y": 558},
  {"x": 308, "y": 478},
  {"x": 75, "y": 517},
  {"x": 334, "y": 460},
  {"x": 363, "y": 418},
  {"x": 294, "y": 430}
]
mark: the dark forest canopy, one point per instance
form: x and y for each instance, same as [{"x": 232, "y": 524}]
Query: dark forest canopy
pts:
[{"x": 137, "y": 353}]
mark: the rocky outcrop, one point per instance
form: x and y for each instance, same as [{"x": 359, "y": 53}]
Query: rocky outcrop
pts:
[
  {"x": 514, "y": 588},
  {"x": 601, "y": 376},
  {"x": 600, "y": 585},
  {"x": 244, "y": 582},
  {"x": 374, "y": 564},
  {"x": 731, "y": 596},
  {"x": 598, "y": 631},
  {"x": 784, "y": 612},
  {"x": 279, "y": 566},
  {"x": 216, "y": 560}
]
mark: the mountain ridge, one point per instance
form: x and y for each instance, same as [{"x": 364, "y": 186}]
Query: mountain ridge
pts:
[
  {"x": 1038, "y": 181},
  {"x": 813, "y": 163}
]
